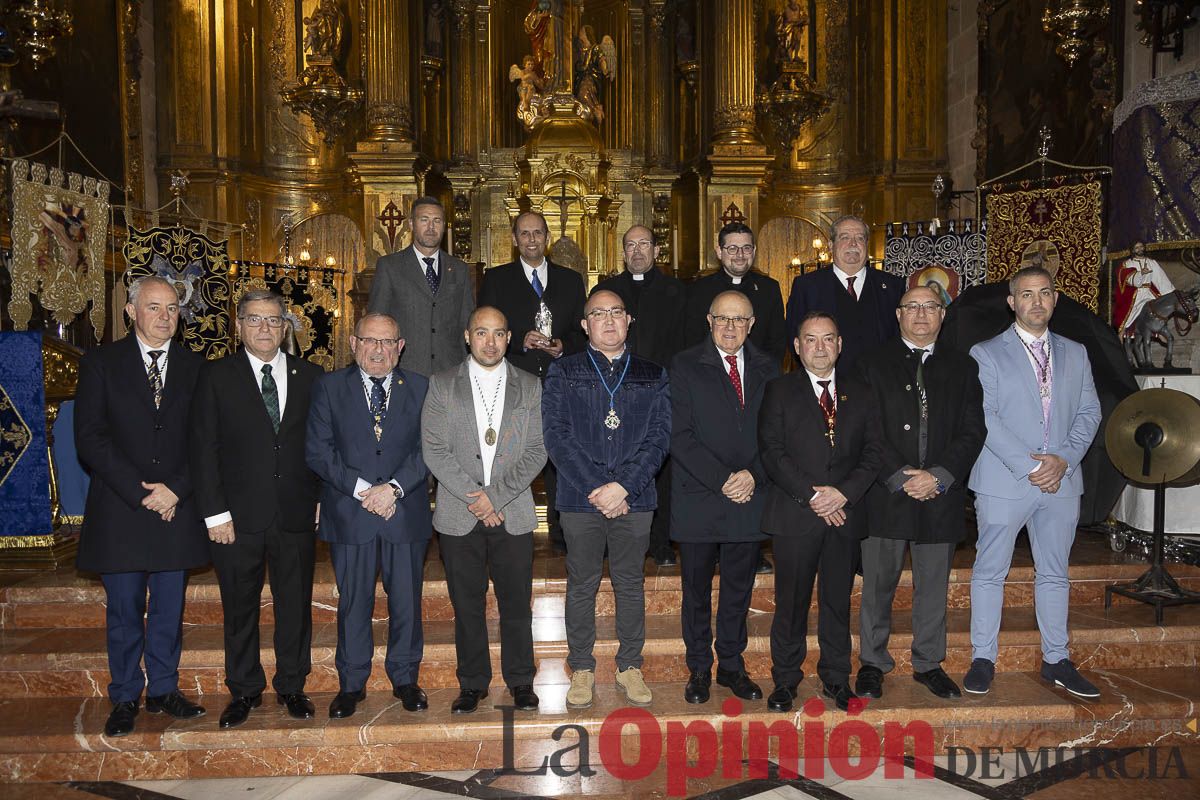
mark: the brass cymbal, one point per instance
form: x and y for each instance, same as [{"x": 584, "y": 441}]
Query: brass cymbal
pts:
[{"x": 1166, "y": 416}]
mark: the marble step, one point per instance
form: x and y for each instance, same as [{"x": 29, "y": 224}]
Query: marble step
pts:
[
  {"x": 60, "y": 739},
  {"x": 63, "y": 662},
  {"x": 77, "y": 601}
]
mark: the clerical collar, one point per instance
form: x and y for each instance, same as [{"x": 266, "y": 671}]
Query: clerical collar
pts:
[
  {"x": 735, "y": 280},
  {"x": 643, "y": 276}
]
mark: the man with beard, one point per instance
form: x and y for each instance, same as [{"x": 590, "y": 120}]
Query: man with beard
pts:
[
  {"x": 431, "y": 290},
  {"x": 482, "y": 436},
  {"x": 656, "y": 302}
]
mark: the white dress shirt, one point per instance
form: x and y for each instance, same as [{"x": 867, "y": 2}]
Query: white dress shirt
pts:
[
  {"x": 741, "y": 364},
  {"x": 486, "y": 385},
  {"x": 162, "y": 360},
  {"x": 543, "y": 271},
  {"x": 841, "y": 275},
  {"x": 926, "y": 351},
  {"x": 817, "y": 389},
  {"x": 1028, "y": 338},
  {"x": 437, "y": 262}
]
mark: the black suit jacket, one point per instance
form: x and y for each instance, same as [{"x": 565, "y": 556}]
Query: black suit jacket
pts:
[
  {"x": 713, "y": 436},
  {"x": 658, "y": 313},
  {"x": 122, "y": 440},
  {"x": 796, "y": 453},
  {"x": 506, "y": 288},
  {"x": 879, "y": 294},
  {"x": 239, "y": 463},
  {"x": 765, "y": 296},
  {"x": 955, "y": 430}
]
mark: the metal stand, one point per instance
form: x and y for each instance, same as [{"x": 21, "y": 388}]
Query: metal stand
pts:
[{"x": 1156, "y": 586}]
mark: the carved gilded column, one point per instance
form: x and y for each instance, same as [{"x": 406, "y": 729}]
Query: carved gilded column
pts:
[
  {"x": 658, "y": 148},
  {"x": 389, "y": 71},
  {"x": 463, "y": 142},
  {"x": 733, "y": 75}
]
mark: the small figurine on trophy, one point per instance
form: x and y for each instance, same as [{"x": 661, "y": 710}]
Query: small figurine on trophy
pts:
[{"x": 543, "y": 321}]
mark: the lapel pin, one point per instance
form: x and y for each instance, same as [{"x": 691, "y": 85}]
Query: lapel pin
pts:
[
  {"x": 841, "y": 398},
  {"x": 293, "y": 372}
]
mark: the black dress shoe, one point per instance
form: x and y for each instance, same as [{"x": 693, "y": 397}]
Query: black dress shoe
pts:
[
  {"x": 840, "y": 694},
  {"x": 697, "y": 687},
  {"x": 870, "y": 682},
  {"x": 298, "y": 705},
  {"x": 739, "y": 683},
  {"x": 238, "y": 709},
  {"x": 412, "y": 697},
  {"x": 524, "y": 698},
  {"x": 764, "y": 567},
  {"x": 938, "y": 682},
  {"x": 666, "y": 558},
  {"x": 346, "y": 703},
  {"x": 781, "y": 698},
  {"x": 174, "y": 704},
  {"x": 466, "y": 702},
  {"x": 120, "y": 721}
]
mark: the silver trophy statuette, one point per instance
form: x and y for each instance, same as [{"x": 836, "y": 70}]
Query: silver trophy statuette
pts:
[{"x": 543, "y": 321}]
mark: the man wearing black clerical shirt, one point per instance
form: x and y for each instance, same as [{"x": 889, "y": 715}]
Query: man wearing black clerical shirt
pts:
[
  {"x": 607, "y": 425},
  {"x": 656, "y": 301}
]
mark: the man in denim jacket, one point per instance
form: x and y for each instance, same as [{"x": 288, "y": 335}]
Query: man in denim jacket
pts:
[{"x": 607, "y": 425}]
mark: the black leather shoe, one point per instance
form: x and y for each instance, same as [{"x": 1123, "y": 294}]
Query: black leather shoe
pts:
[
  {"x": 466, "y": 702},
  {"x": 412, "y": 697},
  {"x": 739, "y": 683},
  {"x": 666, "y": 558},
  {"x": 936, "y": 681},
  {"x": 840, "y": 694},
  {"x": 781, "y": 698},
  {"x": 764, "y": 567},
  {"x": 174, "y": 704},
  {"x": 238, "y": 709},
  {"x": 697, "y": 687},
  {"x": 524, "y": 698},
  {"x": 870, "y": 682},
  {"x": 346, "y": 703},
  {"x": 120, "y": 721},
  {"x": 298, "y": 705}
]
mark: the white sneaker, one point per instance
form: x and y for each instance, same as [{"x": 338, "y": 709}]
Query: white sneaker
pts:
[
  {"x": 583, "y": 681},
  {"x": 636, "y": 690}
]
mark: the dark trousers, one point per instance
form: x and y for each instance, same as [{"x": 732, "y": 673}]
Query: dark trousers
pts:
[
  {"x": 159, "y": 638},
  {"x": 660, "y": 528},
  {"x": 697, "y": 563},
  {"x": 553, "y": 522},
  {"x": 288, "y": 558},
  {"x": 401, "y": 566},
  {"x": 799, "y": 559},
  {"x": 509, "y": 559}
]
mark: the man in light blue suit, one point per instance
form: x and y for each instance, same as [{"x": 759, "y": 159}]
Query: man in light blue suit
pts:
[
  {"x": 1042, "y": 412},
  {"x": 374, "y": 514}
]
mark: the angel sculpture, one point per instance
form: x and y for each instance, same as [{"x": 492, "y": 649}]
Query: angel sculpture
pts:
[
  {"x": 530, "y": 85},
  {"x": 594, "y": 62},
  {"x": 325, "y": 30}
]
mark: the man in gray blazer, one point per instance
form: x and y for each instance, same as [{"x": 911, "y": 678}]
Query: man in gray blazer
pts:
[
  {"x": 481, "y": 431},
  {"x": 1041, "y": 410},
  {"x": 428, "y": 291}
]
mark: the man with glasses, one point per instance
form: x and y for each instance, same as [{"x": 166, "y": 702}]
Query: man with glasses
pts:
[
  {"x": 431, "y": 290},
  {"x": 521, "y": 290},
  {"x": 656, "y": 303},
  {"x": 931, "y": 405},
  {"x": 735, "y": 250},
  {"x": 720, "y": 490},
  {"x": 607, "y": 426},
  {"x": 862, "y": 299},
  {"x": 364, "y": 441},
  {"x": 259, "y": 500}
]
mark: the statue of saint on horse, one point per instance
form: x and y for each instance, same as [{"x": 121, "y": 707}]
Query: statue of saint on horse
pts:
[{"x": 1154, "y": 324}]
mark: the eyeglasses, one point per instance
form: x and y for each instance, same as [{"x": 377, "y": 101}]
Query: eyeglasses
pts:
[
  {"x": 733, "y": 249},
  {"x": 640, "y": 244},
  {"x": 386, "y": 344},
  {"x": 255, "y": 320},
  {"x": 928, "y": 308},
  {"x": 737, "y": 322},
  {"x": 600, "y": 313}
]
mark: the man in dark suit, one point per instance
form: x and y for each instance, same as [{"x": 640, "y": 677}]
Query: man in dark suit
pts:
[
  {"x": 862, "y": 299},
  {"x": 520, "y": 290},
  {"x": 431, "y": 290},
  {"x": 720, "y": 490},
  {"x": 364, "y": 441},
  {"x": 931, "y": 404},
  {"x": 259, "y": 500},
  {"x": 820, "y": 444},
  {"x": 735, "y": 251},
  {"x": 140, "y": 530},
  {"x": 656, "y": 301}
]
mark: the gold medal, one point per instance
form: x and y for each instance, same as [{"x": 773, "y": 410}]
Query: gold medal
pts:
[{"x": 489, "y": 436}]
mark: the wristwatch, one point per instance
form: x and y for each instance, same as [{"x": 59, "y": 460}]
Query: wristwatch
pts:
[
  {"x": 941, "y": 487},
  {"x": 397, "y": 490}
]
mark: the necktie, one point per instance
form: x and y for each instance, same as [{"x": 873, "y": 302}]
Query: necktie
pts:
[
  {"x": 828, "y": 407},
  {"x": 431, "y": 275},
  {"x": 378, "y": 405},
  {"x": 155, "y": 375},
  {"x": 923, "y": 427},
  {"x": 1043, "y": 377},
  {"x": 270, "y": 393},
  {"x": 850, "y": 286},
  {"x": 736, "y": 379},
  {"x": 537, "y": 284}
]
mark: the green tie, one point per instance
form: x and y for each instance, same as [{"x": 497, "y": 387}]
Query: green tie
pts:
[{"x": 270, "y": 395}]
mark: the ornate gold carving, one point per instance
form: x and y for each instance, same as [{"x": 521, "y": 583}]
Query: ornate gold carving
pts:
[
  {"x": 462, "y": 226},
  {"x": 793, "y": 99},
  {"x": 129, "y": 72},
  {"x": 60, "y": 369},
  {"x": 322, "y": 92},
  {"x": 14, "y": 542},
  {"x": 39, "y": 24},
  {"x": 1072, "y": 22}
]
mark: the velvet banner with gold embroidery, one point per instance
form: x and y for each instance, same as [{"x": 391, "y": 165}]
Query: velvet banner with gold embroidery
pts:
[
  {"x": 312, "y": 299},
  {"x": 1057, "y": 228},
  {"x": 24, "y": 459}
]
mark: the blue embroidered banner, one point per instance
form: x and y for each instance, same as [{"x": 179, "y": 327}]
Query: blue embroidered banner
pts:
[{"x": 24, "y": 462}]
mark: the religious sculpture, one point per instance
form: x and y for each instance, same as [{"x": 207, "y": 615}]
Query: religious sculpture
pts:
[
  {"x": 322, "y": 91},
  {"x": 793, "y": 98},
  {"x": 594, "y": 62},
  {"x": 539, "y": 27},
  {"x": 530, "y": 85},
  {"x": 790, "y": 32},
  {"x": 325, "y": 30}
]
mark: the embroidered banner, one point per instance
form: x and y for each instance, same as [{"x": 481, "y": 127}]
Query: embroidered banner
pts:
[
  {"x": 24, "y": 460},
  {"x": 312, "y": 299},
  {"x": 953, "y": 259}
]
